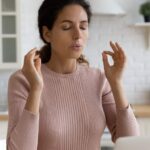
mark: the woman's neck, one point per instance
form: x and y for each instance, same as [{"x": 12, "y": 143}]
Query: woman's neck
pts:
[{"x": 64, "y": 66}]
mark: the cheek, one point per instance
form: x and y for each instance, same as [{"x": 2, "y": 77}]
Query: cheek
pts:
[
  {"x": 85, "y": 36},
  {"x": 62, "y": 37},
  {"x": 59, "y": 41},
  {"x": 60, "y": 45}
]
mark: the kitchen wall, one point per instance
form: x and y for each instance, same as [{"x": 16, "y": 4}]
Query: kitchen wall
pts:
[{"x": 102, "y": 30}]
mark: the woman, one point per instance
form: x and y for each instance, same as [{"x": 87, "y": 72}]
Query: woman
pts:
[{"x": 58, "y": 102}]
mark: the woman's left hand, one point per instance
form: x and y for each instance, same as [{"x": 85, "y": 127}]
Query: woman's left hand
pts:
[{"x": 114, "y": 72}]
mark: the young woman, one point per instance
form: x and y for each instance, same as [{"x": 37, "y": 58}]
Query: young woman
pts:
[{"x": 57, "y": 101}]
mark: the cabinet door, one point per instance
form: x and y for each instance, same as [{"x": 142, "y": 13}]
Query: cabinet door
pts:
[
  {"x": 9, "y": 34},
  {"x": 8, "y": 5},
  {"x": 3, "y": 129},
  {"x": 9, "y": 54},
  {"x": 144, "y": 124},
  {"x": 9, "y": 24}
]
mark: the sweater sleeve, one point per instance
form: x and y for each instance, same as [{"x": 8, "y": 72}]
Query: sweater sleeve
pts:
[
  {"x": 120, "y": 122},
  {"x": 23, "y": 125}
]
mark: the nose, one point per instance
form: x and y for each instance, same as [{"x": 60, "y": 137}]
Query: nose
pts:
[{"x": 76, "y": 33}]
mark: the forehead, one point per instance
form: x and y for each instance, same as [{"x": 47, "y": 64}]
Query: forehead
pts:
[{"x": 74, "y": 13}]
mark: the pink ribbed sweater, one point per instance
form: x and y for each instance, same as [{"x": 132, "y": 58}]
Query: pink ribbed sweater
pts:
[{"x": 75, "y": 108}]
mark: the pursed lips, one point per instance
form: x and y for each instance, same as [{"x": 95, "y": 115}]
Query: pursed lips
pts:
[{"x": 76, "y": 45}]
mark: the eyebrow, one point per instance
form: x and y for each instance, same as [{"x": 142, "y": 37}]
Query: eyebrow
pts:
[{"x": 69, "y": 21}]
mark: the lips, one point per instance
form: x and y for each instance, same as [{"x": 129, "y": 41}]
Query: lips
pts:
[{"x": 76, "y": 45}]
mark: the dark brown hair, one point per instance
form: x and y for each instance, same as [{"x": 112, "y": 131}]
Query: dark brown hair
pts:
[{"x": 47, "y": 15}]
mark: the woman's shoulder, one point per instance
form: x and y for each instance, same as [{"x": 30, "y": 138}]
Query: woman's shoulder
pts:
[
  {"x": 94, "y": 76},
  {"x": 92, "y": 70}
]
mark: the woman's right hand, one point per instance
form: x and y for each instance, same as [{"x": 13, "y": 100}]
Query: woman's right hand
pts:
[{"x": 32, "y": 69}]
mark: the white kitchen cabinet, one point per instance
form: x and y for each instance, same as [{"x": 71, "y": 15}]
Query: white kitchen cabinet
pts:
[
  {"x": 3, "y": 129},
  {"x": 144, "y": 124},
  {"x": 106, "y": 139},
  {"x": 3, "y": 125},
  {"x": 9, "y": 34}
]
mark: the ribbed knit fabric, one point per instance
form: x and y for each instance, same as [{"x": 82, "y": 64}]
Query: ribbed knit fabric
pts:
[{"x": 74, "y": 110}]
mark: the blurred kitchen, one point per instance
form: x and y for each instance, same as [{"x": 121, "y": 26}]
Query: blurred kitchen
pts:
[{"x": 116, "y": 20}]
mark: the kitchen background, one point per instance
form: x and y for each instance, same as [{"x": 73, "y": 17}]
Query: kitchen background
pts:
[{"x": 128, "y": 29}]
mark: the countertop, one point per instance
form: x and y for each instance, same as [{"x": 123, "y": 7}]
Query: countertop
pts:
[
  {"x": 4, "y": 116},
  {"x": 140, "y": 110}
]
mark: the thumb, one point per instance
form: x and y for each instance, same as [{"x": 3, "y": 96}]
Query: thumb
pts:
[
  {"x": 105, "y": 61},
  {"x": 37, "y": 64}
]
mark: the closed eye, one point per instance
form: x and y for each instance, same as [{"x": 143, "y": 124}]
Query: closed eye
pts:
[
  {"x": 68, "y": 28},
  {"x": 83, "y": 28}
]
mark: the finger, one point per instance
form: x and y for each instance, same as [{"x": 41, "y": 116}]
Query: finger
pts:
[
  {"x": 36, "y": 57},
  {"x": 37, "y": 64},
  {"x": 113, "y": 55},
  {"x": 31, "y": 56},
  {"x": 117, "y": 45},
  {"x": 32, "y": 50},
  {"x": 121, "y": 51},
  {"x": 105, "y": 61},
  {"x": 109, "y": 53},
  {"x": 114, "y": 48}
]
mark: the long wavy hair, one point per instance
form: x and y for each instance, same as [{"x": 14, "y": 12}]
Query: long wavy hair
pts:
[{"x": 47, "y": 15}]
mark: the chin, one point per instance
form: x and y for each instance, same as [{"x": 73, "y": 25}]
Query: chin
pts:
[{"x": 76, "y": 56}]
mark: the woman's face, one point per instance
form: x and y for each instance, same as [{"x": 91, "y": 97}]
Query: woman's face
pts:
[{"x": 69, "y": 34}]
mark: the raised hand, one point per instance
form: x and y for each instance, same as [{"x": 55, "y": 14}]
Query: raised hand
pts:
[
  {"x": 114, "y": 72},
  {"x": 32, "y": 69}
]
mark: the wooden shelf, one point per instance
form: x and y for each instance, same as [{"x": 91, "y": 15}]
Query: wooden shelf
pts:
[
  {"x": 145, "y": 25},
  {"x": 4, "y": 117},
  {"x": 142, "y": 24},
  {"x": 141, "y": 110}
]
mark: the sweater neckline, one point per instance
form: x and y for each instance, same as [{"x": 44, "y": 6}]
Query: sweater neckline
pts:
[{"x": 56, "y": 74}]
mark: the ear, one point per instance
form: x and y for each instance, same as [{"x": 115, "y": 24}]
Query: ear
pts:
[{"x": 46, "y": 34}]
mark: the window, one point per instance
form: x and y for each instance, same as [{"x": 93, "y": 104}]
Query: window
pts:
[{"x": 9, "y": 37}]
